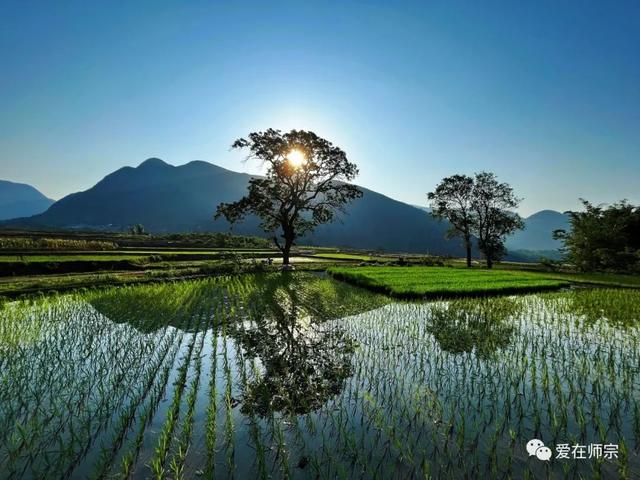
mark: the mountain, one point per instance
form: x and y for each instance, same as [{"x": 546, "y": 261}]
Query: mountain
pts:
[
  {"x": 21, "y": 200},
  {"x": 166, "y": 198},
  {"x": 538, "y": 231},
  {"x": 424, "y": 209},
  {"x": 377, "y": 222}
]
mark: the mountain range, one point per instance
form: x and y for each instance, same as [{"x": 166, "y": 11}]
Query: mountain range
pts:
[
  {"x": 21, "y": 200},
  {"x": 538, "y": 231},
  {"x": 167, "y": 198}
]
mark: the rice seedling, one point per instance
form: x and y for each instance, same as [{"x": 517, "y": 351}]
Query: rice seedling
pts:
[
  {"x": 302, "y": 376},
  {"x": 435, "y": 282}
]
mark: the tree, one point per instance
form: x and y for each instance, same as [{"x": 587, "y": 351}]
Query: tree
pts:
[
  {"x": 304, "y": 185},
  {"x": 452, "y": 200},
  {"x": 603, "y": 238},
  {"x": 493, "y": 204},
  {"x": 138, "y": 229}
]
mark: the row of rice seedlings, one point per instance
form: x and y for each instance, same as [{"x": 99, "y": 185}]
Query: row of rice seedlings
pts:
[
  {"x": 131, "y": 454},
  {"x": 471, "y": 380},
  {"x": 127, "y": 388},
  {"x": 156, "y": 463},
  {"x": 212, "y": 408},
  {"x": 432, "y": 383},
  {"x": 176, "y": 465},
  {"x": 178, "y": 461},
  {"x": 229, "y": 428},
  {"x": 104, "y": 409},
  {"x": 255, "y": 430},
  {"x": 89, "y": 414},
  {"x": 127, "y": 417}
]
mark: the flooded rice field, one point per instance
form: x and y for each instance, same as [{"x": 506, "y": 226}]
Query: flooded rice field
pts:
[{"x": 279, "y": 376}]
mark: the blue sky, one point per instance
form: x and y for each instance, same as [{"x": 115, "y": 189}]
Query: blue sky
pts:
[{"x": 544, "y": 94}]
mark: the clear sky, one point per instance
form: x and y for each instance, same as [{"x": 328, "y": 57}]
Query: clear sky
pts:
[{"x": 546, "y": 94}]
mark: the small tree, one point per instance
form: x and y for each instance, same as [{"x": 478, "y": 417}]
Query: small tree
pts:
[
  {"x": 452, "y": 200},
  {"x": 138, "y": 229},
  {"x": 493, "y": 204},
  {"x": 303, "y": 187}
]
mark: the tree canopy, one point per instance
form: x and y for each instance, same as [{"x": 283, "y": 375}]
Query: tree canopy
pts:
[
  {"x": 452, "y": 200},
  {"x": 304, "y": 185},
  {"x": 479, "y": 206},
  {"x": 493, "y": 204},
  {"x": 603, "y": 238}
]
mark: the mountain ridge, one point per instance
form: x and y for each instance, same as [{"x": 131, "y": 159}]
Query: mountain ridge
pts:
[
  {"x": 166, "y": 198},
  {"x": 171, "y": 198},
  {"x": 20, "y": 200}
]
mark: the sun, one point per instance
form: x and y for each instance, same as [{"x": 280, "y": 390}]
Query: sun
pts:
[{"x": 296, "y": 158}]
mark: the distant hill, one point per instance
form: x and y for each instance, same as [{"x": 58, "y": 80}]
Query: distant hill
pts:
[
  {"x": 424, "y": 209},
  {"x": 21, "y": 200},
  {"x": 166, "y": 198},
  {"x": 538, "y": 232}
]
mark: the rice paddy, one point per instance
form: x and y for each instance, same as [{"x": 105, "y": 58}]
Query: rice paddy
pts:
[
  {"x": 434, "y": 282},
  {"x": 301, "y": 376}
]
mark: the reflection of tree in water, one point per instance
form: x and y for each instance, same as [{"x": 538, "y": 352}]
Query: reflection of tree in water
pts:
[
  {"x": 478, "y": 325},
  {"x": 305, "y": 360},
  {"x": 286, "y": 325}
]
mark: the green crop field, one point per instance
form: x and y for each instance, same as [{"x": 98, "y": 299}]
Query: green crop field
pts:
[
  {"x": 299, "y": 376},
  {"x": 442, "y": 281}
]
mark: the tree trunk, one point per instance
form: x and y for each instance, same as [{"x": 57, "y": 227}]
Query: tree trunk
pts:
[
  {"x": 468, "y": 245},
  {"x": 288, "y": 243},
  {"x": 285, "y": 252},
  {"x": 489, "y": 261}
]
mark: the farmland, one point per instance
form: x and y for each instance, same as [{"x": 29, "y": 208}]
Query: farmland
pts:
[
  {"x": 412, "y": 282},
  {"x": 298, "y": 375}
]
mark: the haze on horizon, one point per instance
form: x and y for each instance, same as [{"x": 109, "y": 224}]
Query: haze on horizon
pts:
[{"x": 544, "y": 94}]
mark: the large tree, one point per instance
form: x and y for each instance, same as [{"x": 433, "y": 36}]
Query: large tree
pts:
[
  {"x": 452, "y": 200},
  {"x": 493, "y": 204},
  {"x": 603, "y": 237},
  {"x": 305, "y": 184}
]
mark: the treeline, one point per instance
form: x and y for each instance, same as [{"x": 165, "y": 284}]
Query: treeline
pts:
[{"x": 603, "y": 238}]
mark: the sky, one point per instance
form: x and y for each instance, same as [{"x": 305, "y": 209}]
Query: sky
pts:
[{"x": 546, "y": 94}]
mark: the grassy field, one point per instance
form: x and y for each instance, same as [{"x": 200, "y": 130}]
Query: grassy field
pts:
[
  {"x": 605, "y": 279},
  {"x": 418, "y": 282}
]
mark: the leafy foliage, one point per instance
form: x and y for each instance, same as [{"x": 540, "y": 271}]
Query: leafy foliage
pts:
[
  {"x": 604, "y": 238},
  {"x": 292, "y": 199},
  {"x": 452, "y": 199},
  {"x": 493, "y": 203},
  {"x": 138, "y": 229},
  {"x": 479, "y": 206}
]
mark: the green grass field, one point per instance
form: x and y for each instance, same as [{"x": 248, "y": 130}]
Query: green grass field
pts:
[
  {"x": 608, "y": 279},
  {"x": 417, "y": 282}
]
